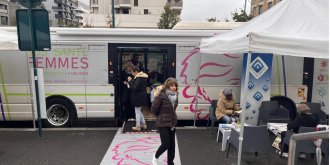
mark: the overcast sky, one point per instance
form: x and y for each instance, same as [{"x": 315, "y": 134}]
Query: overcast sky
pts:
[{"x": 199, "y": 10}]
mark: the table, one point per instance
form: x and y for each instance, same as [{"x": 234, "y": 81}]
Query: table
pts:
[
  {"x": 278, "y": 128},
  {"x": 225, "y": 129}
]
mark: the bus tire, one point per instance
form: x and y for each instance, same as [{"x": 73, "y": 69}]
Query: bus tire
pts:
[{"x": 59, "y": 112}]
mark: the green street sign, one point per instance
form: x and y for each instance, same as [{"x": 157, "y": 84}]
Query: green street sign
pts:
[
  {"x": 34, "y": 3},
  {"x": 41, "y": 30}
]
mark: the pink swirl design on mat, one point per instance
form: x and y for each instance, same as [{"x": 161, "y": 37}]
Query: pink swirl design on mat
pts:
[{"x": 127, "y": 152}]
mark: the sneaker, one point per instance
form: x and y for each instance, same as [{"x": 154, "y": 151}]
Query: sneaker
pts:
[
  {"x": 154, "y": 160},
  {"x": 302, "y": 156},
  {"x": 144, "y": 126},
  {"x": 285, "y": 154},
  {"x": 137, "y": 128}
]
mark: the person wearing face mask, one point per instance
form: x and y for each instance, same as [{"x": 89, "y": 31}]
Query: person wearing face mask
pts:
[
  {"x": 227, "y": 110},
  {"x": 164, "y": 107}
]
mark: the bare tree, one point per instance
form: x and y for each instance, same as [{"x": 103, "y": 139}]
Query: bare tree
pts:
[
  {"x": 108, "y": 18},
  {"x": 89, "y": 23}
]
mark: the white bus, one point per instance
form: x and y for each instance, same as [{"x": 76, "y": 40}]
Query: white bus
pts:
[{"x": 82, "y": 73}]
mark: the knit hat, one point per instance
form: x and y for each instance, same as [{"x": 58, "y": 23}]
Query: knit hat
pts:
[{"x": 227, "y": 91}]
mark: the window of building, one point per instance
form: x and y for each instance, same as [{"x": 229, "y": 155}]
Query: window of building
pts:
[
  {"x": 270, "y": 4},
  {"x": 146, "y": 11},
  {"x": 260, "y": 9},
  {"x": 136, "y": 2},
  {"x": 125, "y": 11},
  {"x": 4, "y": 20},
  {"x": 2, "y": 6},
  {"x": 169, "y": 1},
  {"x": 117, "y": 11}
]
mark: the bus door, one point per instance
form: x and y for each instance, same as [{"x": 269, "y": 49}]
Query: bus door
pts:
[{"x": 156, "y": 60}]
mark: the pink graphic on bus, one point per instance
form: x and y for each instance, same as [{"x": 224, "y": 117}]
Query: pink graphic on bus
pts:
[{"x": 224, "y": 72}]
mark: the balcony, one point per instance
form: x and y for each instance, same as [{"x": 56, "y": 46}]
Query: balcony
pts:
[
  {"x": 58, "y": 8},
  {"x": 60, "y": 1},
  {"x": 59, "y": 16},
  {"x": 175, "y": 5},
  {"x": 3, "y": 11},
  {"x": 123, "y": 4}
]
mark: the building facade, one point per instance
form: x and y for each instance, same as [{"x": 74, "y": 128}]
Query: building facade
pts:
[
  {"x": 260, "y": 6},
  {"x": 4, "y": 13},
  {"x": 129, "y": 13}
]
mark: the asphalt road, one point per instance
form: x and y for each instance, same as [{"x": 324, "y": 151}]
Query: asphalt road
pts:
[{"x": 87, "y": 146}]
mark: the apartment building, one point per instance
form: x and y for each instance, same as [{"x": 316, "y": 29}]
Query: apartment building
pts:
[
  {"x": 129, "y": 13},
  {"x": 260, "y": 6},
  {"x": 4, "y": 13},
  {"x": 62, "y": 12}
]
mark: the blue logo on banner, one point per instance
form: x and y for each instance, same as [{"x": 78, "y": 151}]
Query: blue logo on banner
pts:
[
  {"x": 258, "y": 96},
  {"x": 250, "y": 85},
  {"x": 247, "y": 105},
  {"x": 265, "y": 88},
  {"x": 258, "y": 67}
]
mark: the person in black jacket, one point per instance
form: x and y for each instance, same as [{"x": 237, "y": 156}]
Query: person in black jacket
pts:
[
  {"x": 138, "y": 94},
  {"x": 305, "y": 118},
  {"x": 128, "y": 111},
  {"x": 164, "y": 107}
]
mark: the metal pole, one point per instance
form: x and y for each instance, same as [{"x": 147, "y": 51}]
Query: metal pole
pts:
[
  {"x": 241, "y": 132},
  {"x": 303, "y": 136},
  {"x": 245, "y": 6},
  {"x": 113, "y": 13},
  {"x": 34, "y": 65}
]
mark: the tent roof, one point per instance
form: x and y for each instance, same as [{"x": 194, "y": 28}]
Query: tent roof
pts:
[{"x": 292, "y": 27}]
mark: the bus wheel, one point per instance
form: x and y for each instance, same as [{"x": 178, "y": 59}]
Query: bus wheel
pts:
[{"x": 59, "y": 112}]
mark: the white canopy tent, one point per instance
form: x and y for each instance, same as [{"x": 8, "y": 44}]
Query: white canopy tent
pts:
[
  {"x": 292, "y": 27},
  {"x": 8, "y": 41}
]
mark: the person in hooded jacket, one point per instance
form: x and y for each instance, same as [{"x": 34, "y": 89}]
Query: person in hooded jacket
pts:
[
  {"x": 227, "y": 110},
  {"x": 164, "y": 107},
  {"x": 138, "y": 86}
]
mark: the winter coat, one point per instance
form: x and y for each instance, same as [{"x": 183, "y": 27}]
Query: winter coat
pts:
[
  {"x": 225, "y": 106},
  {"x": 138, "y": 87},
  {"x": 305, "y": 120},
  {"x": 164, "y": 111},
  {"x": 124, "y": 89}
]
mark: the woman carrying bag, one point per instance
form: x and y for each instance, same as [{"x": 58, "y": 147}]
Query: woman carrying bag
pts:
[{"x": 164, "y": 107}]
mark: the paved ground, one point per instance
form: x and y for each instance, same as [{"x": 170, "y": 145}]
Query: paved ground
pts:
[{"x": 88, "y": 147}]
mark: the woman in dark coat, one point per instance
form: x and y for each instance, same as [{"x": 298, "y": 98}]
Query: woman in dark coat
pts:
[
  {"x": 305, "y": 119},
  {"x": 128, "y": 111},
  {"x": 164, "y": 107},
  {"x": 138, "y": 94}
]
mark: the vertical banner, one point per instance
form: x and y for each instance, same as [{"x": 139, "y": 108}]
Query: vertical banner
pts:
[
  {"x": 258, "y": 88},
  {"x": 321, "y": 83}
]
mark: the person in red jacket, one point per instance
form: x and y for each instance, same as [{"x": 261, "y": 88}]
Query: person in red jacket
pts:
[{"x": 164, "y": 107}]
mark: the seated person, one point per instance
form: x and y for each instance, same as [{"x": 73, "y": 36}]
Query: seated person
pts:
[
  {"x": 226, "y": 107},
  {"x": 305, "y": 118}
]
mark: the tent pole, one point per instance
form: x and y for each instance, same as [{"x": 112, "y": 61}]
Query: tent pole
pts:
[
  {"x": 284, "y": 75},
  {"x": 242, "y": 116}
]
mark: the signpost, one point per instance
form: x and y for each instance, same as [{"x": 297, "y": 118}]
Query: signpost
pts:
[{"x": 35, "y": 41}]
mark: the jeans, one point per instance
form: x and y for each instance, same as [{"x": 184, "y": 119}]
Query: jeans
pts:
[
  {"x": 167, "y": 137},
  {"x": 225, "y": 119},
  {"x": 139, "y": 116}
]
